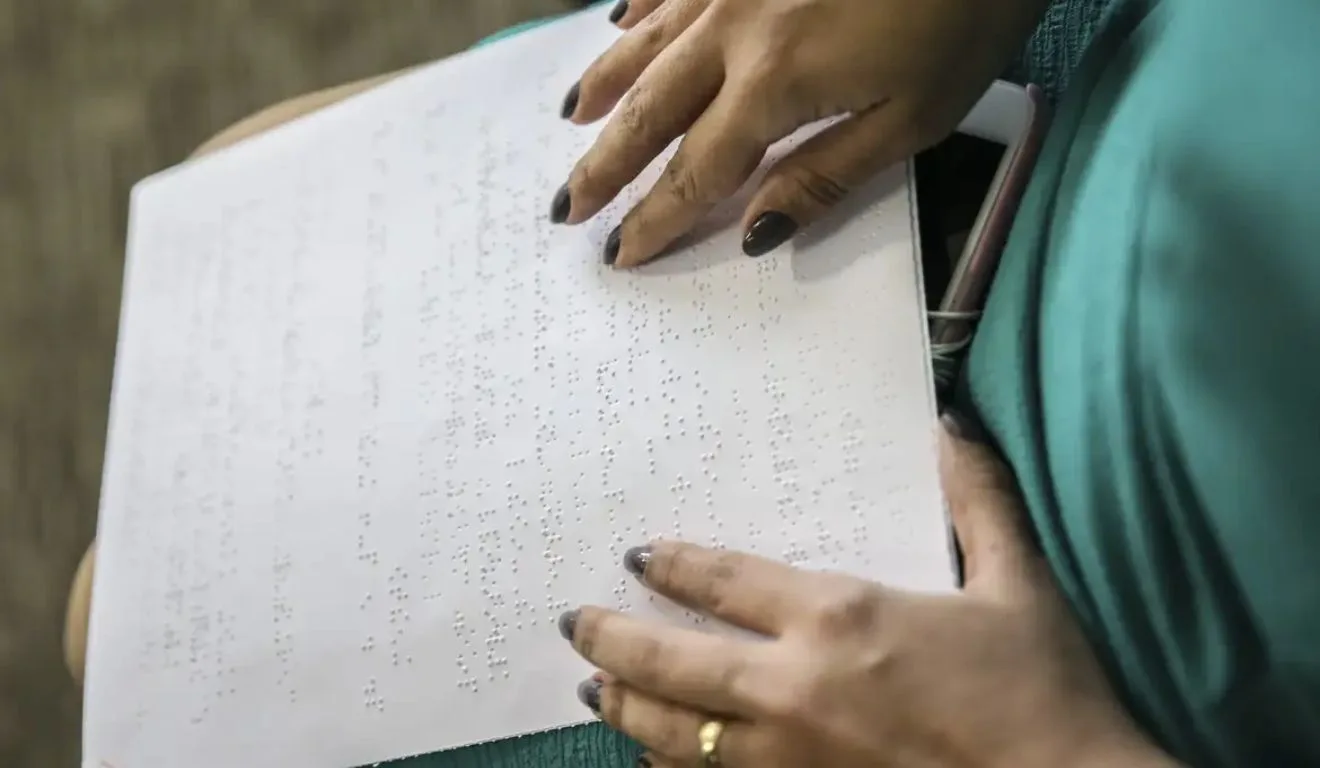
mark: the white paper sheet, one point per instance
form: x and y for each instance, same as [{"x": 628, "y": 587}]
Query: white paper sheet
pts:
[{"x": 376, "y": 423}]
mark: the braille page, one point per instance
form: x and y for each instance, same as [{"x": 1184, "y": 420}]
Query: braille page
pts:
[{"x": 376, "y": 423}]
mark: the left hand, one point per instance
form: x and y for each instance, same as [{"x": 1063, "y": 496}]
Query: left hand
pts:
[{"x": 857, "y": 674}]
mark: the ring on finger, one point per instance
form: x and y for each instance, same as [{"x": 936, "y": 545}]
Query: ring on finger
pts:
[{"x": 708, "y": 737}]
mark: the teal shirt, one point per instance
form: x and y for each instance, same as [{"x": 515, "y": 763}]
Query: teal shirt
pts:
[{"x": 1148, "y": 366}]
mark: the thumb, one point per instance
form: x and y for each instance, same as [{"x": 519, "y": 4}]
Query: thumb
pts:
[
  {"x": 820, "y": 172},
  {"x": 988, "y": 516}
]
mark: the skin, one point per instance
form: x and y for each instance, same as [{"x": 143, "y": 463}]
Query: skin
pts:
[
  {"x": 857, "y": 675},
  {"x": 732, "y": 77},
  {"x": 853, "y": 674}
]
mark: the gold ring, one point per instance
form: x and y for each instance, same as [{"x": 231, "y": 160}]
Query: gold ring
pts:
[{"x": 709, "y": 736}]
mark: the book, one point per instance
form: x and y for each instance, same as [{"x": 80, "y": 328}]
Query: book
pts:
[{"x": 376, "y": 422}]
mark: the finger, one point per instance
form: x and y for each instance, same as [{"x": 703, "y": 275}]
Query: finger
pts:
[
  {"x": 610, "y": 76},
  {"x": 715, "y": 158},
  {"x": 669, "y": 96},
  {"x": 745, "y": 590},
  {"x": 667, "y": 729},
  {"x": 823, "y": 170},
  {"x": 705, "y": 671},
  {"x": 987, "y": 511},
  {"x": 626, "y": 13}
]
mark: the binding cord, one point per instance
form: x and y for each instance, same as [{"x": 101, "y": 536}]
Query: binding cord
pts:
[{"x": 946, "y": 357}]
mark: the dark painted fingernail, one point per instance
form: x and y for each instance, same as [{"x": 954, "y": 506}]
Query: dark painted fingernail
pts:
[
  {"x": 588, "y": 693},
  {"x": 771, "y": 230},
  {"x": 561, "y": 205},
  {"x": 635, "y": 560},
  {"x": 619, "y": 11},
  {"x": 612, "y": 246},
  {"x": 568, "y": 624},
  {"x": 570, "y": 101},
  {"x": 643, "y": 762}
]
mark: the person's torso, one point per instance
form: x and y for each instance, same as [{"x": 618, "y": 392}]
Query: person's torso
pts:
[{"x": 1148, "y": 365}]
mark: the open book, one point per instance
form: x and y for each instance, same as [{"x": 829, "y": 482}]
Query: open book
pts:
[{"x": 376, "y": 423}]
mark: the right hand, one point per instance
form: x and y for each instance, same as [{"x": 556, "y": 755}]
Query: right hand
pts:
[{"x": 734, "y": 76}]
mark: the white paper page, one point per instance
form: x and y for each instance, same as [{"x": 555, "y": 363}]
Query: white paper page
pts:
[{"x": 376, "y": 423}]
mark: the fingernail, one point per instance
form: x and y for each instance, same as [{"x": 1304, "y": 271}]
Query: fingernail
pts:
[
  {"x": 612, "y": 246},
  {"x": 771, "y": 230},
  {"x": 635, "y": 560},
  {"x": 568, "y": 624},
  {"x": 644, "y": 762},
  {"x": 619, "y": 11},
  {"x": 570, "y": 101},
  {"x": 588, "y": 692},
  {"x": 561, "y": 205}
]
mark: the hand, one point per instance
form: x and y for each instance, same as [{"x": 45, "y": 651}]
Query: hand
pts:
[
  {"x": 737, "y": 75},
  {"x": 855, "y": 674}
]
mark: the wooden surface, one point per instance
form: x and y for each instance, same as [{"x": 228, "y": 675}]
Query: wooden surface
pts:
[{"x": 95, "y": 94}]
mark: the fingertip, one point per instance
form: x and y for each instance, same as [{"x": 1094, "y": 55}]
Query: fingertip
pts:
[
  {"x": 613, "y": 243},
  {"x": 570, "y": 105},
  {"x": 629, "y": 245},
  {"x": 636, "y": 559},
  {"x": 619, "y": 11},
  {"x": 770, "y": 230},
  {"x": 561, "y": 206}
]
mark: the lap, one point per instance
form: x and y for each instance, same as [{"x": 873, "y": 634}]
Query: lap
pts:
[{"x": 285, "y": 111}]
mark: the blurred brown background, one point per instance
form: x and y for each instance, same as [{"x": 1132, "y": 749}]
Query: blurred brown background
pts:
[{"x": 95, "y": 94}]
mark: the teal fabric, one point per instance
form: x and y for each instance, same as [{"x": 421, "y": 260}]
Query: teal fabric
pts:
[
  {"x": 1058, "y": 43},
  {"x": 594, "y": 746},
  {"x": 1147, "y": 364}
]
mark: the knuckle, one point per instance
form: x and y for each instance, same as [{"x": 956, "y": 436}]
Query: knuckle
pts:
[
  {"x": 702, "y": 579},
  {"x": 646, "y": 664},
  {"x": 632, "y": 115},
  {"x": 793, "y": 698},
  {"x": 813, "y": 186},
  {"x": 733, "y": 676},
  {"x": 682, "y": 182},
  {"x": 719, "y": 581},
  {"x": 849, "y": 607},
  {"x": 652, "y": 32},
  {"x": 647, "y": 7}
]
